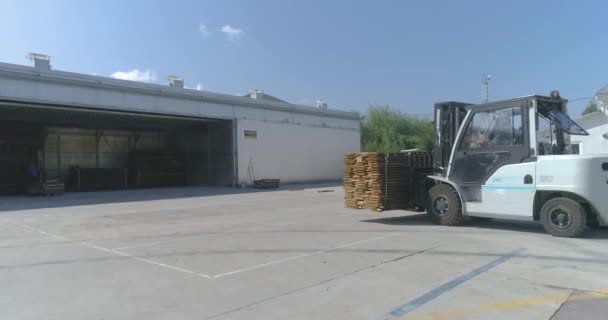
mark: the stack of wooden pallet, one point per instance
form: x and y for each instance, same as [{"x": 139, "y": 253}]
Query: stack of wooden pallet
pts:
[
  {"x": 382, "y": 181},
  {"x": 266, "y": 183},
  {"x": 49, "y": 187}
]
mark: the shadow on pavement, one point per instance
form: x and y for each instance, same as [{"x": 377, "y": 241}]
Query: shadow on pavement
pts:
[
  {"x": 414, "y": 219},
  {"x": 488, "y": 224},
  {"x": 15, "y": 203}
]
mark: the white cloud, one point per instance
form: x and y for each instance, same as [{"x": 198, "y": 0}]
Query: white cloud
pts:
[
  {"x": 135, "y": 75},
  {"x": 233, "y": 33},
  {"x": 204, "y": 30}
]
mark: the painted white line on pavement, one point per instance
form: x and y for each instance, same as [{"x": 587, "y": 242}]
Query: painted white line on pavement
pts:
[
  {"x": 86, "y": 244},
  {"x": 54, "y": 236},
  {"x": 202, "y": 275},
  {"x": 162, "y": 242},
  {"x": 174, "y": 268},
  {"x": 303, "y": 255}
]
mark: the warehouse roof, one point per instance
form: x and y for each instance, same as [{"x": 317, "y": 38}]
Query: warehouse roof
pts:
[
  {"x": 79, "y": 79},
  {"x": 592, "y": 120},
  {"x": 267, "y": 97}
]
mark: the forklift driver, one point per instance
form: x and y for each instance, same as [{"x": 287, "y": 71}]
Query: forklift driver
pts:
[
  {"x": 477, "y": 140},
  {"x": 503, "y": 134}
]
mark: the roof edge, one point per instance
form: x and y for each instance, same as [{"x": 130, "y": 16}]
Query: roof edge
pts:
[{"x": 157, "y": 89}]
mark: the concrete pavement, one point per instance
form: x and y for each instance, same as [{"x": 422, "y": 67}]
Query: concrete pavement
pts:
[{"x": 216, "y": 253}]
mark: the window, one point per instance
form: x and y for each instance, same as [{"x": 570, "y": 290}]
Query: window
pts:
[
  {"x": 576, "y": 148},
  {"x": 545, "y": 136},
  {"x": 553, "y": 131},
  {"x": 494, "y": 128}
]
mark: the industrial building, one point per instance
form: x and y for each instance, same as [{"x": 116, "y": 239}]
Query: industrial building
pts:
[
  {"x": 596, "y": 124},
  {"x": 98, "y": 133}
]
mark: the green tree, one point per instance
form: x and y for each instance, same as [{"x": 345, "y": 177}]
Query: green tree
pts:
[
  {"x": 388, "y": 130},
  {"x": 591, "y": 107}
]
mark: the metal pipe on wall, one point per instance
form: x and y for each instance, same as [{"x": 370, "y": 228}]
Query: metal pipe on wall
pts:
[
  {"x": 58, "y": 156},
  {"x": 97, "y": 140},
  {"x": 235, "y": 154}
]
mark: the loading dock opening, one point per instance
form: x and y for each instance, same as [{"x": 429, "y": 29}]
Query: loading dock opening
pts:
[{"x": 91, "y": 149}]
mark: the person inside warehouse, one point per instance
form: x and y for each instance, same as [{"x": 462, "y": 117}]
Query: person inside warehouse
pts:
[{"x": 33, "y": 172}]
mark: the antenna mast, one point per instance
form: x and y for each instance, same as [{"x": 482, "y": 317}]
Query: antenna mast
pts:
[{"x": 485, "y": 90}]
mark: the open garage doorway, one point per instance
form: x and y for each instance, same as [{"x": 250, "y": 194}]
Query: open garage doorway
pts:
[{"x": 92, "y": 150}]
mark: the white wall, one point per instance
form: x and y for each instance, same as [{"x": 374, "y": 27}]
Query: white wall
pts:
[
  {"x": 596, "y": 124},
  {"x": 594, "y": 142},
  {"x": 293, "y": 153}
]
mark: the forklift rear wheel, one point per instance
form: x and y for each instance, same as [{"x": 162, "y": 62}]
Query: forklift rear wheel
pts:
[
  {"x": 444, "y": 205},
  {"x": 563, "y": 217}
]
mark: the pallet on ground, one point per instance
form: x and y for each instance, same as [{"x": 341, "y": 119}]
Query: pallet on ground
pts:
[
  {"x": 47, "y": 188},
  {"x": 266, "y": 183}
]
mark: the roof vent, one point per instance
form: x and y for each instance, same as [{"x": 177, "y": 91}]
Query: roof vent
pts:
[
  {"x": 176, "y": 82},
  {"x": 40, "y": 61},
  {"x": 256, "y": 94},
  {"x": 321, "y": 104}
]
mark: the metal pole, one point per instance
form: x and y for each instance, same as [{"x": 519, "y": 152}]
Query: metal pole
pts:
[
  {"x": 128, "y": 151},
  {"x": 235, "y": 153},
  {"x": 78, "y": 179},
  {"x": 43, "y": 160},
  {"x": 209, "y": 159},
  {"x": 58, "y": 156},
  {"x": 485, "y": 84},
  {"x": 97, "y": 139}
]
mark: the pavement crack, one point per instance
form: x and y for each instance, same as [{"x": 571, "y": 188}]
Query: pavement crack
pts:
[
  {"x": 566, "y": 288},
  {"x": 562, "y": 305},
  {"x": 546, "y": 285},
  {"x": 404, "y": 256},
  {"x": 411, "y": 254}
]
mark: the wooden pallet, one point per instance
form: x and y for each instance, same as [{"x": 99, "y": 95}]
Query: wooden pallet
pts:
[
  {"x": 47, "y": 188},
  {"x": 266, "y": 183},
  {"x": 382, "y": 181}
]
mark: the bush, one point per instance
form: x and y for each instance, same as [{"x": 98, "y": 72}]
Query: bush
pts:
[{"x": 388, "y": 130}]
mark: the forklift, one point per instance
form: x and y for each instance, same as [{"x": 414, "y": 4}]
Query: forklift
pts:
[{"x": 513, "y": 159}]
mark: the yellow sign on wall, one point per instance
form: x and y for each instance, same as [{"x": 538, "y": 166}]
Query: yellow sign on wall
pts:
[{"x": 251, "y": 134}]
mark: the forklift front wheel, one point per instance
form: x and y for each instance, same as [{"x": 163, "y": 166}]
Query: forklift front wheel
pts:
[{"x": 444, "y": 205}]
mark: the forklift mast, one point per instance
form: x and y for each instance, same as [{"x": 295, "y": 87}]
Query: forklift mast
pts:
[{"x": 447, "y": 120}]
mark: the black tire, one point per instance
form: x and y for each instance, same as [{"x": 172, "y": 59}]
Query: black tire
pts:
[
  {"x": 592, "y": 221},
  {"x": 444, "y": 206},
  {"x": 563, "y": 217}
]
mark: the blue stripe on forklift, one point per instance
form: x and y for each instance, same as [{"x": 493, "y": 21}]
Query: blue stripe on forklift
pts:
[
  {"x": 503, "y": 187},
  {"x": 504, "y": 179},
  {"x": 435, "y": 293}
]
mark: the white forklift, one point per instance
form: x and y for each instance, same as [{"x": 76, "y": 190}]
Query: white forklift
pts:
[{"x": 512, "y": 159}]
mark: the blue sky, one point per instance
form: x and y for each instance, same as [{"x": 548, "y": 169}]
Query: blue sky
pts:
[{"x": 407, "y": 54}]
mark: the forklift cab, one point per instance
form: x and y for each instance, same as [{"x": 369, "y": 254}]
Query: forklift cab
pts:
[{"x": 509, "y": 132}]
